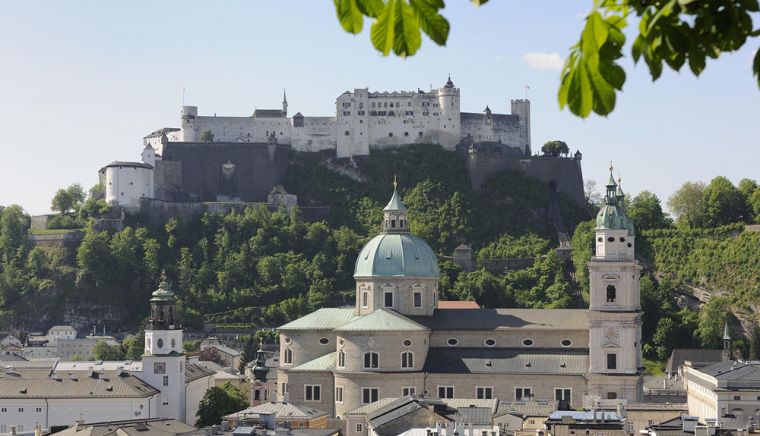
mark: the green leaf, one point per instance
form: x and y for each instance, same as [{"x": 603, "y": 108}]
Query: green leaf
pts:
[
  {"x": 479, "y": 2},
  {"x": 381, "y": 32},
  {"x": 696, "y": 60},
  {"x": 639, "y": 45},
  {"x": 594, "y": 33},
  {"x": 370, "y": 8},
  {"x": 432, "y": 23},
  {"x": 349, "y": 15}
]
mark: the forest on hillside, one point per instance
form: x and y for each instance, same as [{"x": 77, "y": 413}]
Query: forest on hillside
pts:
[{"x": 260, "y": 268}]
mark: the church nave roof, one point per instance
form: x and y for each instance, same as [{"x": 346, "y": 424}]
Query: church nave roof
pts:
[
  {"x": 479, "y": 360},
  {"x": 504, "y": 319}
]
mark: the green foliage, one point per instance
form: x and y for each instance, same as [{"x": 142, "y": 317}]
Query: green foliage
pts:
[
  {"x": 508, "y": 247},
  {"x": 724, "y": 204},
  {"x": 555, "y": 148},
  {"x": 712, "y": 319},
  {"x": 103, "y": 351},
  {"x": 687, "y": 204},
  {"x": 646, "y": 212},
  {"x": 218, "y": 402},
  {"x": 754, "y": 342},
  {"x": 582, "y": 243},
  {"x": 192, "y": 345},
  {"x": 133, "y": 346},
  {"x": 250, "y": 346},
  {"x": 68, "y": 199},
  {"x": 672, "y": 32},
  {"x": 207, "y": 136}
]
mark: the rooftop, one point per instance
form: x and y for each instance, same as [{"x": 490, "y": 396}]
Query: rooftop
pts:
[
  {"x": 458, "y": 304},
  {"x": 681, "y": 355},
  {"x": 505, "y": 319},
  {"x": 322, "y": 319},
  {"x": 324, "y": 363},
  {"x": 735, "y": 374},
  {"x": 382, "y": 320},
  {"x": 281, "y": 410},
  {"x": 527, "y": 408},
  {"x": 142, "y": 427},
  {"x": 506, "y": 361},
  {"x": 41, "y": 383}
]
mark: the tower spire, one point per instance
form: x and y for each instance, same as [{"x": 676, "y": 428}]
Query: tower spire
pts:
[{"x": 284, "y": 103}]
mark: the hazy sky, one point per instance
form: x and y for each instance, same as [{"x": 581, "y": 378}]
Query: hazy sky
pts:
[{"x": 81, "y": 82}]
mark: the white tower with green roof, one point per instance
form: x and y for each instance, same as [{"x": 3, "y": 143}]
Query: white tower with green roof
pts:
[
  {"x": 615, "y": 306},
  {"x": 164, "y": 361}
]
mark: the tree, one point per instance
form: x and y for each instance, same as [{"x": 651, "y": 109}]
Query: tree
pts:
[
  {"x": 250, "y": 346},
  {"x": 207, "y": 136},
  {"x": 712, "y": 319},
  {"x": 218, "y": 402},
  {"x": 671, "y": 32},
  {"x": 753, "y": 203},
  {"x": 592, "y": 195},
  {"x": 646, "y": 212},
  {"x": 103, "y": 351},
  {"x": 687, "y": 203},
  {"x": 555, "y": 148},
  {"x": 133, "y": 346},
  {"x": 664, "y": 338},
  {"x": 723, "y": 203},
  {"x": 68, "y": 199},
  {"x": 754, "y": 342}
]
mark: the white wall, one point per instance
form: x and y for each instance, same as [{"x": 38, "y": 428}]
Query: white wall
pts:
[
  {"x": 195, "y": 391},
  {"x": 125, "y": 185}
]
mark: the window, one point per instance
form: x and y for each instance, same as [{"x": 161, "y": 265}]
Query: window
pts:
[
  {"x": 408, "y": 390},
  {"x": 4, "y": 409},
  {"x": 312, "y": 392},
  {"x": 406, "y": 133},
  {"x": 338, "y": 394},
  {"x": 20, "y": 409},
  {"x": 611, "y": 293},
  {"x": 566, "y": 342},
  {"x": 523, "y": 393},
  {"x": 408, "y": 343},
  {"x": 365, "y": 299},
  {"x": 612, "y": 395},
  {"x": 737, "y": 397},
  {"x": 390, "y": 134},
  {"x": 39, "y": 409},
  {"x": 324, "y": 341},
  {"x": 562, "y": 394},
  {"x": 407, "y": 359},
  {"x": 490, "y": 342},
  {"x": 371, "y": 360},
  {"x": 611, "y": 361},
  {"x": 359, "y": 427},
  {"x": 527, "y": 342},
  {"x": 257, "y": 395},
  {"x": 445, "y": 391},
  {"x": 370, "y": 395},
  {"x": 166, "y": 380},
  {"x": 419, "y": 134},
  {"x": 346, "y": 113},
  {"x": 418, "y": 299},
  {"x": 484, "y": 392},
  {"x": 610, "y": 239},
  {"x": 388, "y": 299},
  {"x": 288, "y": 356},
  {"x": 284, "y": 388},
  {"x": 452, "y": 342},
  {"x": 341, "y": 359},
  {"x": 346, "y": 133}
]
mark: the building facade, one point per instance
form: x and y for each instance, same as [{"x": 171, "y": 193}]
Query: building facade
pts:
[
  {"x": 397, "y": 341},
  {"x": 727, "y": 388}
]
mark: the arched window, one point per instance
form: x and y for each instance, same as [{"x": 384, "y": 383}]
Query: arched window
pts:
[
  {"x": 371, "y": 360},
  {"x": 288, "y": 356},
  {"x": 407, "y": 359},
  {"x": 341, "y": 359},
  {"x": 611, "y": 293}
]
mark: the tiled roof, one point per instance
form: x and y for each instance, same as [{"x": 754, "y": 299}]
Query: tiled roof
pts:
[
  {"x": 280, "y": 409},
  {"x": 505, "y": 319},
  {"x": 585, "y": 415},
  {"x": 382, "y": 320},
  {"x": 527, "y": 408},
  {"x": 459, "y": 403},
  {"x": 194, "y": 372},
  {"x": 31, "y": 384},
  {"x": 268, "y": 113},
  {"x": 322, "y": 319},
  {"x": 458, "y": 304},
  {"x": 324, "y": 363},
  {"x": 507, "y": 361},
  {"x": 141, "y": 427},
  {"x": 681, "y": 355},
  {"x": 735, "y": 373},
  {"x": 369, "y": 408},
  {"x": 62, "y": 328}
]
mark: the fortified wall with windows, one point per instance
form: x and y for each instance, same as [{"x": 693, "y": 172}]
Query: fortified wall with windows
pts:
[{"x": 400, "y": 339}]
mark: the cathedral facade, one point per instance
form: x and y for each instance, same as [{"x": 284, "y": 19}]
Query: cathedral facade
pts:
[{"x": 397, "y": 340}]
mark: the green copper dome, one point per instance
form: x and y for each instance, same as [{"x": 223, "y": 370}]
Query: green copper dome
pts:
[
  {"x": 396, "y": 254},
  {"x": 163, "y": 293},
  {"x": 612, "y": 215}
]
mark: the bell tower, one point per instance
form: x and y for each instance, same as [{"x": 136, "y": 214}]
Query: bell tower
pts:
[
  {"x": 615, "y": 306},
  {"x": 164, "y": 361}
]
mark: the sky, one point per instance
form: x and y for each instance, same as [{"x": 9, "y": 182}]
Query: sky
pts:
[{"x": 82, "y": 82}]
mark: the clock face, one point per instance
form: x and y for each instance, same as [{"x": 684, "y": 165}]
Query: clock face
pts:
[
  {"x": 160, "y": 343},
  {"x": 611, "y": 336},
  {"x": 159, "y": 367}
]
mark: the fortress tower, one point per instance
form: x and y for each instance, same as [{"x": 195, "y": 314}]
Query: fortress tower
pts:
[
  {"x": 615, "y": 306},
  {"x": 449, "y": 123}
]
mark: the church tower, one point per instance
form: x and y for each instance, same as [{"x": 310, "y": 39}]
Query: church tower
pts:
[
  {"x": 615, "y": 307},
  {"x": 164, "y": 361},
  {"x": 284, "y": 104}
]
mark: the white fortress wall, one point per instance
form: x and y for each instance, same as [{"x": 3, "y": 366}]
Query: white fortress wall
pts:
[
  {"x": 125, "y": 185},
  {"x": 241, "y": 129},
  {"x": 315, "y": 134}
]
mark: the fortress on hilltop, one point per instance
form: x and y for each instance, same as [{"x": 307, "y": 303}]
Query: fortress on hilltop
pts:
[
  {"x": 218, "y": 161},
  {"x": 363, "y": 121}
]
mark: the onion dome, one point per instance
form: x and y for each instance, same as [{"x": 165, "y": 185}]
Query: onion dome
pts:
[
  {"x": 163, "y": 293},
  {"x": 395, "y": 252},
  {"x": 260, "y": 370},
  {"x": 612, "y": 215}
]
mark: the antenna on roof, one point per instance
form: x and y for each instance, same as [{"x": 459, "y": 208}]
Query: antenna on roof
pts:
[{"x": 183, "y": 95}]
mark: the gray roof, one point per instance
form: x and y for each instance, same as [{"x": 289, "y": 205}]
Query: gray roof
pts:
[
  {"x": 527, "y": 408},
  {"x": 141, "y": 427},
  {"x": 735, "y": 374},
  {"x": 585, "y": 415},
  {"x": 160, "y": 132},
  {"x": 681, "y": 355},
  {"x": 281, "y": 410},
  {"x": 119, "y": 163},
  {"x": 320, "y": 364},
  {"x": 268, "y": 113},
  {"x": 40, "y": 383},
  {"x": 505, "y": 319},
  {"x": 371, "y": 407},
  {"x": 322, "y": 319},
  {"x": 507, "y": 361},
  {"x": 195, "y": 372}
]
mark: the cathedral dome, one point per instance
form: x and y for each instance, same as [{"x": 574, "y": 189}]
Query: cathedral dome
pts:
[
  {"x": 396, "y": 254},
  {"x": 612, "y": 215}
]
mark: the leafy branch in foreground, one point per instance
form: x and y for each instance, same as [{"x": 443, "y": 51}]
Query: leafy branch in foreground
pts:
[{"x": 671, "y": 32}]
